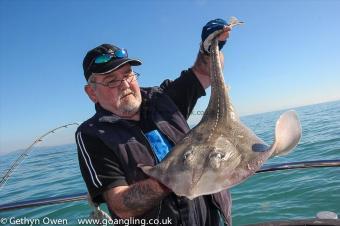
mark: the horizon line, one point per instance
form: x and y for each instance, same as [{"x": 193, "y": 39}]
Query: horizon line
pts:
[{"x": 190, "y": 125}]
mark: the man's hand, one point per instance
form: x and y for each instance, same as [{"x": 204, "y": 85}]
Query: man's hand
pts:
[
  {"x": 210, "y": 30},
  {"x": 201, "y": 67}
]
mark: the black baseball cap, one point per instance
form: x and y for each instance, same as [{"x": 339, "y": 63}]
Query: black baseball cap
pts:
[{"x": 90, "y": 66}]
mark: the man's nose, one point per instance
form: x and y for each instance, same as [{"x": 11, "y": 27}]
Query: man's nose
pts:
[{"x": 125, "y": 83}]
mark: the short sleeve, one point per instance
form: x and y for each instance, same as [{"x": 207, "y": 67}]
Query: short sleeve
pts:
[{"x": 99, "y": 166}]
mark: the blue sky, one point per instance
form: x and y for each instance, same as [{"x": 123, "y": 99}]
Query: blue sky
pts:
[{"x": 286, "y": 55}]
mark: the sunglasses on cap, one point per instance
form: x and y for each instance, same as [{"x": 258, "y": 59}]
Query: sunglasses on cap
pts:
[{"x": 106, "y": 57}]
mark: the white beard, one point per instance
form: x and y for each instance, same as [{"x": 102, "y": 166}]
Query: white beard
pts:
[{"x": 130, "y": 106}]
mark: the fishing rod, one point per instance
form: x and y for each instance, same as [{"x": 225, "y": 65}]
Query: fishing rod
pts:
[
  {"x": 17, "y": 162},
  {"x": 83, "y": 196},
  {"x": 44, "y": 201},
  {"x": 300, "y": 165}
]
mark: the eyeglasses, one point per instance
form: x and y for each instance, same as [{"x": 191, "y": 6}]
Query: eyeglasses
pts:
[
  {"x": 133, "y": 76},
  {"x": 118, "y": 54}
]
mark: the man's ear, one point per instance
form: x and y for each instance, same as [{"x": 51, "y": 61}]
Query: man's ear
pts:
[{"x": 91, "y": 93}]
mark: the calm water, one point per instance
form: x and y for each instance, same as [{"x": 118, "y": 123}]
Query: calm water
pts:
[{"x": 53, "y": 171}]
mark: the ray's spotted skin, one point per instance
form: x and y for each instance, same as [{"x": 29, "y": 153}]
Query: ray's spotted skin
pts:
[{"x": 220, "y": 151}]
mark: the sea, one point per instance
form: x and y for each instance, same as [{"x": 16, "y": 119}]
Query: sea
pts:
[{"x": 52, "y": 171}]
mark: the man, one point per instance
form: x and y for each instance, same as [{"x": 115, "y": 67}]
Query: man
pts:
[{"x": 134, "y": 125}]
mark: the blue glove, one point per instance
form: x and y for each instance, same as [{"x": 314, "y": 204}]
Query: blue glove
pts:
[{"x": 209, "y": 31}]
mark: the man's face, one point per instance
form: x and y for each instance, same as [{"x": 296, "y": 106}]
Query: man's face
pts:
[{"x": 123, "y": 100}]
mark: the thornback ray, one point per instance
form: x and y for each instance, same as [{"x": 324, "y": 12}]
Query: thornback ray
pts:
[{"x": 220, "y": 151}]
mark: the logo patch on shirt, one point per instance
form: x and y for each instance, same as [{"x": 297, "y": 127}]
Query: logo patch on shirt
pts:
[{"x": 159, "y": 143}]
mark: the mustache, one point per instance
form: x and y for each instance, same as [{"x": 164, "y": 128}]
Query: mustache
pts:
[{"x": 126, "y": 93}]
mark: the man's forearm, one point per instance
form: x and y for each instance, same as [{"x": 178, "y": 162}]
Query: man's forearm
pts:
[
  {"x": 136, "y": 199},
  {"x": 201, "y": 68},
  {"x": 143, "y": 196}
]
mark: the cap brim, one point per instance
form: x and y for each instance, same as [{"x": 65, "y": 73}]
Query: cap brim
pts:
[{"x": 118, "y": 63}]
